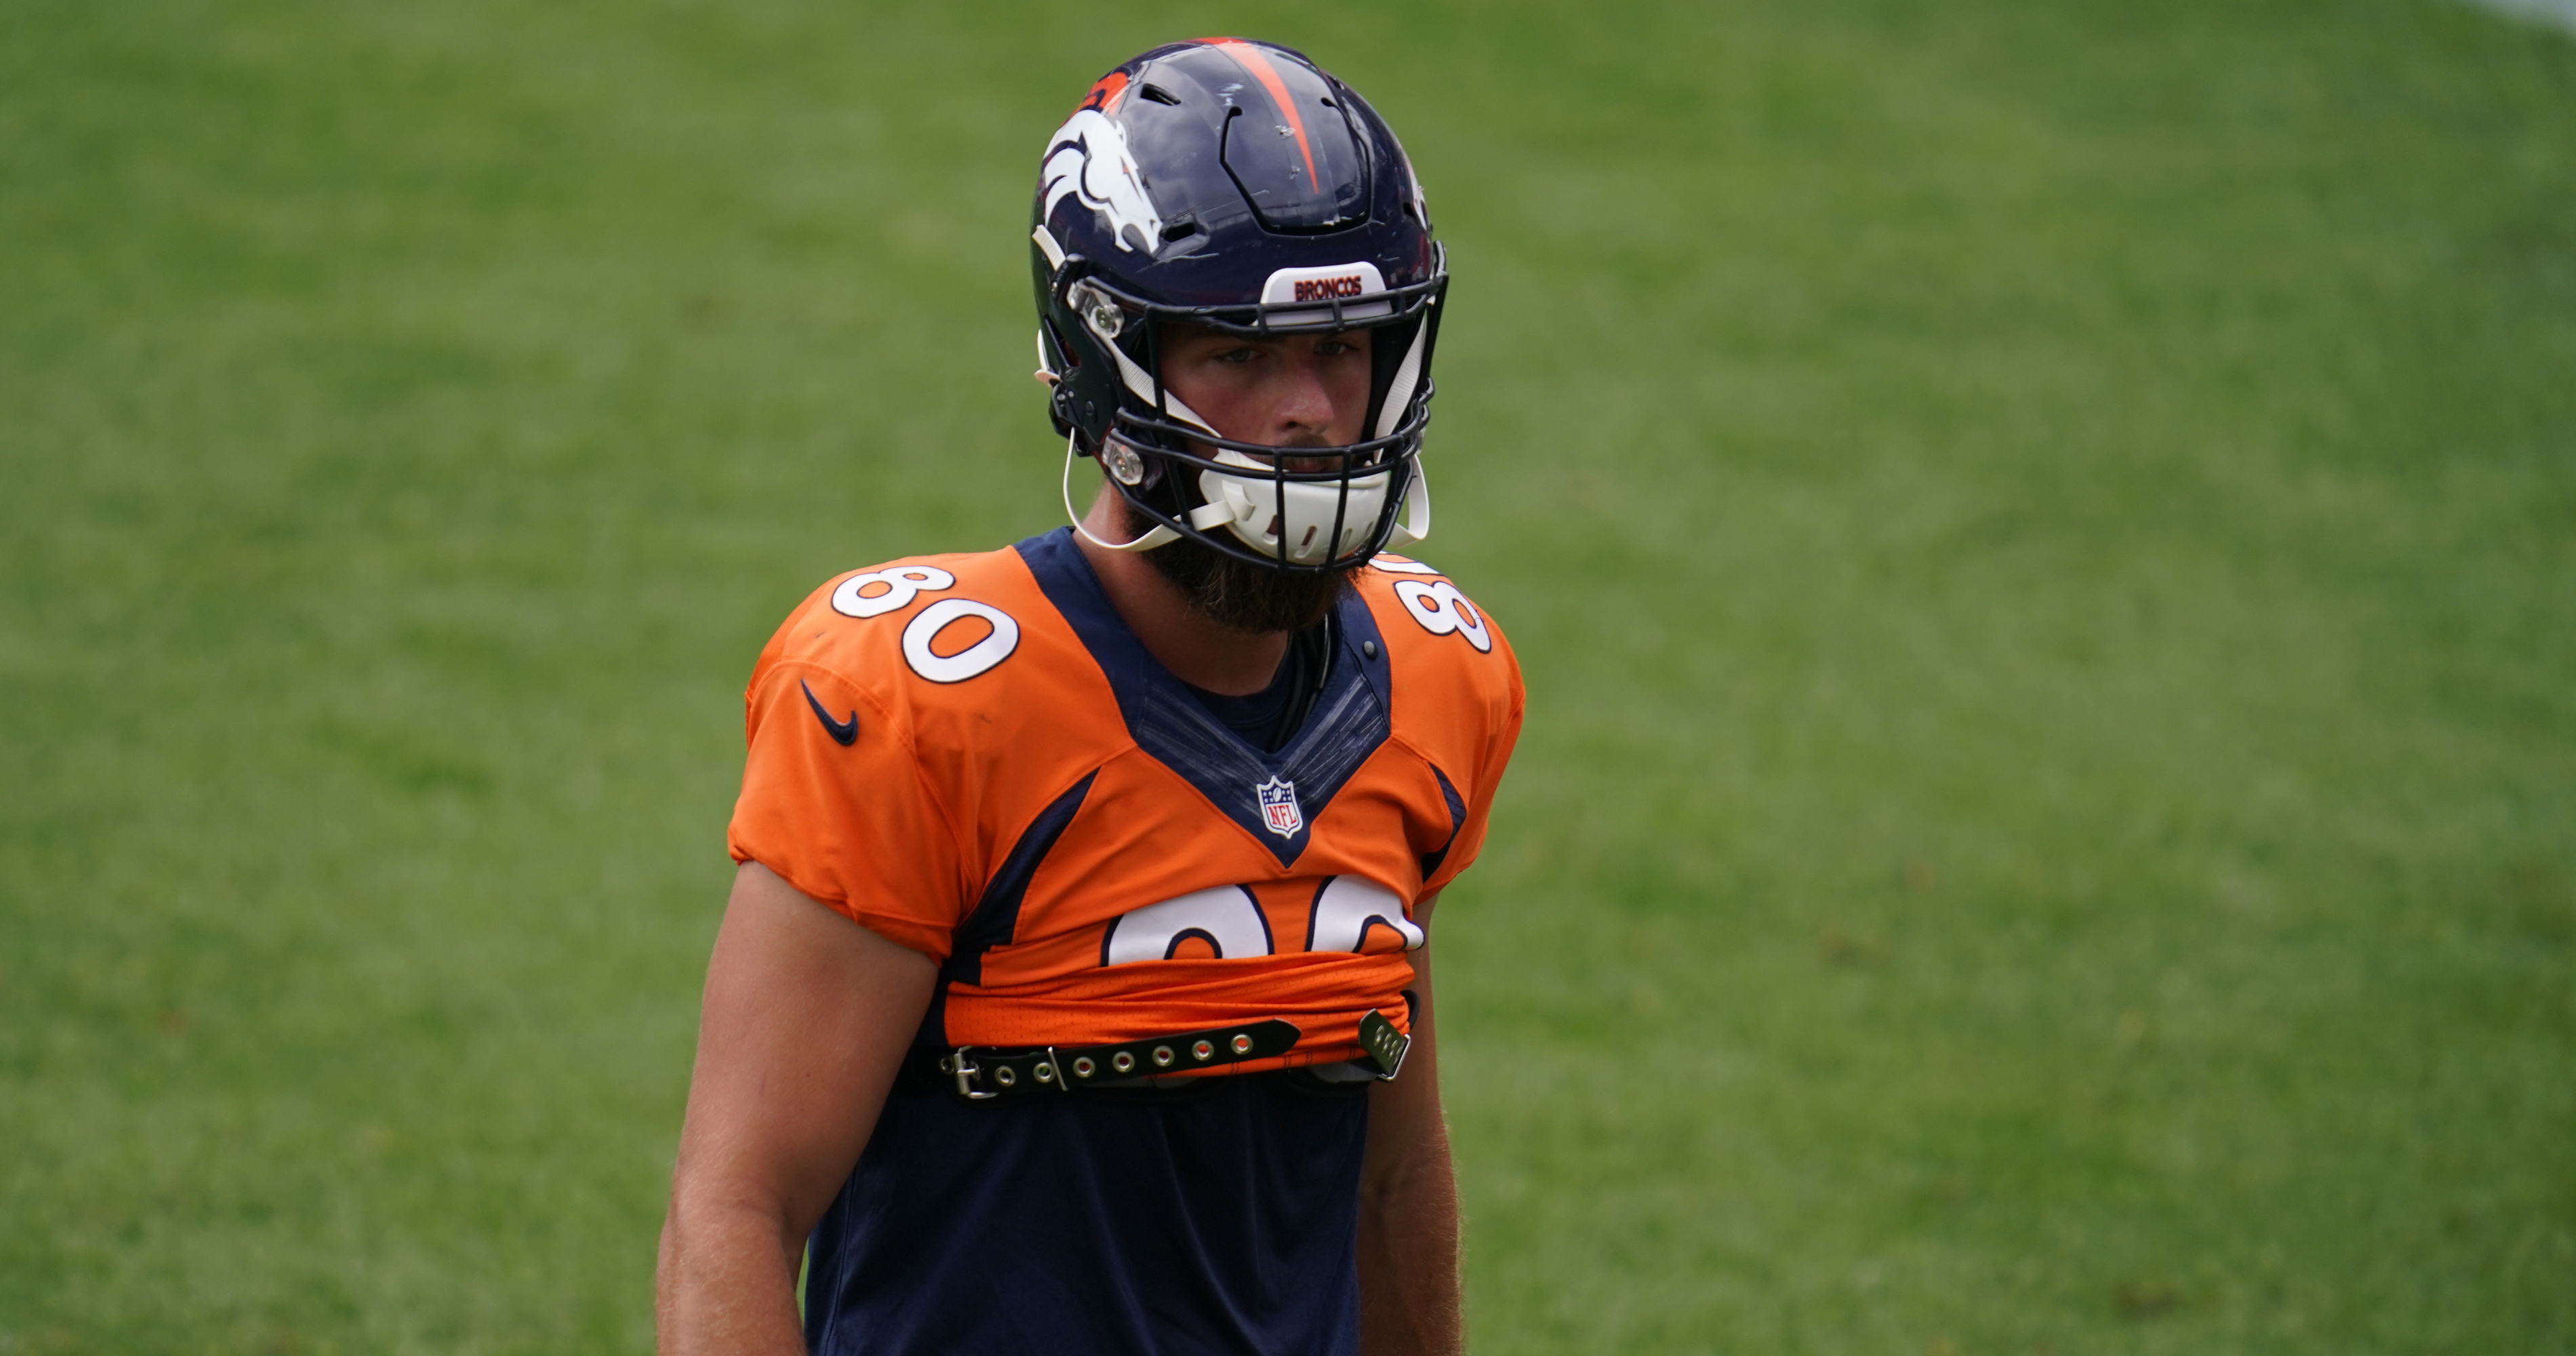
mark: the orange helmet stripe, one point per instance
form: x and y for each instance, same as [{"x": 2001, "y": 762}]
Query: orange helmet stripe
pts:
[
  {"x": 1106, "y": 92},
  {"x": 1250, "y": 58}
]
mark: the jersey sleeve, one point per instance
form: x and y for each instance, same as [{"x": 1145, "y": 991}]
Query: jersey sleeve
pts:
[
  {"x": 1502, "y": 732},
  {"x": 834, "y": 801}
]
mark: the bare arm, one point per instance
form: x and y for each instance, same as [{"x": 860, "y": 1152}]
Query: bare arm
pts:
[
  {"x": 806, "y": 1019},
  {"x": 1408, "y": 1245}
]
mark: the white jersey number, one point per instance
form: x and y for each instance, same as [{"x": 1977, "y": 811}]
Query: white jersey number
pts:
[
  {"x": 1347, "y": 907},
  {"x": 897, "y": 587},
  {"x": 975, "y": 659},
  {"x": 1441, "y": 609},
  {"x": 902, "y": 584},
  {"x": 1231, "y": 921},
  {"x": 1228, "y": 918}
]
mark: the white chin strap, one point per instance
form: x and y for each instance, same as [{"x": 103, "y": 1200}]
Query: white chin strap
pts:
[
  {"x": 1412, "y": 526},
  {"x": 1303, "y": 522}
]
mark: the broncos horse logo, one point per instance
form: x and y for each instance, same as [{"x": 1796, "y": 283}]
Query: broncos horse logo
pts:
[{"x": 1088, "y": 158}]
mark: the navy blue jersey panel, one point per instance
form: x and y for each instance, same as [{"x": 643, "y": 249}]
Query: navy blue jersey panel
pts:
[
  {"x": 1267, "y": 718},
  {"x": 1348, "y": 721},
  {"x": 1222, "y": 1221},
  {"x": 1457, "y": 821},
  {"x": 997, "y": 913}
]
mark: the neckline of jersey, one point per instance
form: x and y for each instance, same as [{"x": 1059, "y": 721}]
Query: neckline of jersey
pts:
[
  {"x": 1269, "y": 718},
  {"x": 1350, "y": 717}
]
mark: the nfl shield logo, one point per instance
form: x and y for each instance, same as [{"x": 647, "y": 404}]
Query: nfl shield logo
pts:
[{"x": 1279, "y": 810}]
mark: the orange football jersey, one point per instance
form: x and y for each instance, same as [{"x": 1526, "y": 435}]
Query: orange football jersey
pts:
[{"x": 973, "y": 756}]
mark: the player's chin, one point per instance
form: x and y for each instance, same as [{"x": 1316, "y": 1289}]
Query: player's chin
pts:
[{"x": 1241, "y": 596}]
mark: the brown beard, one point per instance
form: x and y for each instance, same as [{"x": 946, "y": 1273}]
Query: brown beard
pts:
[{"x": 1240, "y": 596}]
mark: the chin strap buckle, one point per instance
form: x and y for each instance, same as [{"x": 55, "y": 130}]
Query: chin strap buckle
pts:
[{"x": 1157, "y": 536}]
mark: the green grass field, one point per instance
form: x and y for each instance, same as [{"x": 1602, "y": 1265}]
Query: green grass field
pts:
[{"x": 2043, "y": 539}]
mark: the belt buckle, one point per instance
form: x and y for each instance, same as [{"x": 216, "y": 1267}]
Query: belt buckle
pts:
[{"x": 966, "y": 1071}]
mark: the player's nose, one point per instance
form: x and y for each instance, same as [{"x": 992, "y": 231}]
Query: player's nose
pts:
[{"x": 1306, "y": 400}]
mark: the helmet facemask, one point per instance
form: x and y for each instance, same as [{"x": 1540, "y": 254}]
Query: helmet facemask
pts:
[{"x": 1295, "y": 509}]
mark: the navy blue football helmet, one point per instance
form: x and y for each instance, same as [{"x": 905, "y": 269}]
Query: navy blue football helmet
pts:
[{"x": 1234, "y": 185}]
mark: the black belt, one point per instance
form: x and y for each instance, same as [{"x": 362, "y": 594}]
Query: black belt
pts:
[{"x": 981, "y": 1073}]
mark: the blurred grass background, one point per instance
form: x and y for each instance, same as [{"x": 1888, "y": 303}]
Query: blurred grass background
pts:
[{"x": 2043, "y": 538}]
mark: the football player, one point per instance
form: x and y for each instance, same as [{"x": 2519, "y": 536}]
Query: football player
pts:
[{"x": 1075, "y": 990}]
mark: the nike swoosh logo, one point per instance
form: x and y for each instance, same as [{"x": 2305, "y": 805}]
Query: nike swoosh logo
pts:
[{"x": 843, "y": 732}]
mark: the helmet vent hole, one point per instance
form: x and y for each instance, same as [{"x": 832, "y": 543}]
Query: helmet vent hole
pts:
[
  {"x": 1157, "y": 94},
  {"x": 1182, "y": 229}
]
